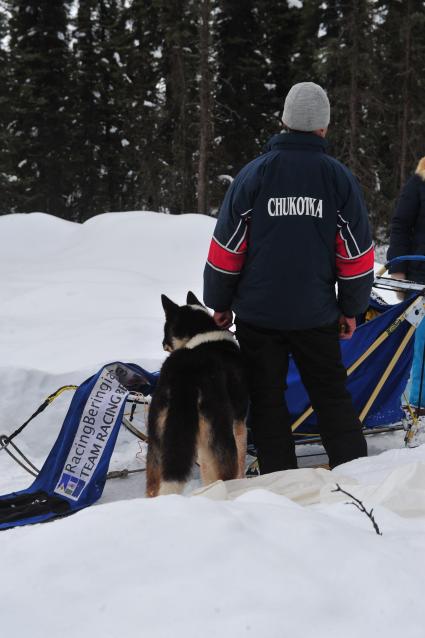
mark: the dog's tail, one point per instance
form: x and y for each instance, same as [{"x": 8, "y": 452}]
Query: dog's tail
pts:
[{"x": 179, "y": 436}]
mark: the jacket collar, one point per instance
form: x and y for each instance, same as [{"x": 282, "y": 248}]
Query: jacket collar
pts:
[{"x": 306, "y": 141}]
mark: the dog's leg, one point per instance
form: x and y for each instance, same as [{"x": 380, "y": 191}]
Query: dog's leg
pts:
[
  {"x": 217, "y": 454},
  {"x": 208, "y": 466},
  {"x": 239, "y": 430},
  {"x": 153, "y": 469},
  {"x": 154, "y": 459}
]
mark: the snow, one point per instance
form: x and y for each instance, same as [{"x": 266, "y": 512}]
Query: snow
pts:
[
  {"x": 117, "y": 59},
  {"x": 73, "y": 297}
]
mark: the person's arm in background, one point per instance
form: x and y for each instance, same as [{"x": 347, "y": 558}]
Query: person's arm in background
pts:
[
  {"x": 402, "y": 229},
  {"x": 229, "y": 243},
  {"x": 403, "y": 225},
  {"x": 354, "y": 255}
]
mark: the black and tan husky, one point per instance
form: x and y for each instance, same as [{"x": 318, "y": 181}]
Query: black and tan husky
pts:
[{"x": 199, "y": 405}]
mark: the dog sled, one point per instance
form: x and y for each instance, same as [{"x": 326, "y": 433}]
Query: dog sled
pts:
[{"x": 378, "y": 360}]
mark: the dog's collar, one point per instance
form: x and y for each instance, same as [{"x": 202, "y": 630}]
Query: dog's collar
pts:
[{"x": 208, "y": 337}]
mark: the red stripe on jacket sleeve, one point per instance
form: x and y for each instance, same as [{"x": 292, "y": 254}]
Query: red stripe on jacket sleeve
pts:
[
  {"x": 341, "y": 249},
  {"x": 223, "y": 259},
  {"x": 352, "y": 267}
]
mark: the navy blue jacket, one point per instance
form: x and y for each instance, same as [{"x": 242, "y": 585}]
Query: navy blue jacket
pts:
[
  {"x": 292, "y": 224},
  {"x": 408, "y": 226}
]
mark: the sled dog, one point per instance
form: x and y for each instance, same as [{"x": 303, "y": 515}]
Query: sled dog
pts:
[{"x": 199, "y": 405}]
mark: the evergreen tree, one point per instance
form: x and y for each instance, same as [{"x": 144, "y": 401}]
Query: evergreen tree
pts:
[
  {"x": 402, "y": 63},
  {"x": 256, "y": 45},
  {"x": 344, "y": 65},
  {"x": 86, "y": 138},
  {"x": 113, "y": 106},
  {"x": 242, "y": 105},
  {"x": 283, "y": 47},
  {"x": 396, "y": 116},
  {"x": 415, "y": 88},
  {"x": 40, "y": 90},
  {"x": 142, "y": 53},
  {"x": 145, "y": 103},
  {"x": 305, "y": 51},
  {"x": 6, "y": 176},
  {"x": 101, "y": 109},
  {"x": 179, "y": 124},
  {"x": 205, "y": 104}
]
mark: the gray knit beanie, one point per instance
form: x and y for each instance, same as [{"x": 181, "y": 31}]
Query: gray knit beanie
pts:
[{"x": 306, "y": 107}]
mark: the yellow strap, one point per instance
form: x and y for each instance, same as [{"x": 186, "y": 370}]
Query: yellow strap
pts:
[
  {"x": 58, "y": 392},
  {"x": 380, "y": 339}
]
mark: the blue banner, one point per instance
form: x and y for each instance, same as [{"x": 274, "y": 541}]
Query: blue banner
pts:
[{"x": 74, "y": 473}]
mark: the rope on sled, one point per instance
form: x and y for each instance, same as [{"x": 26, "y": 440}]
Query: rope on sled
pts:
[
  {"x": 6, "y": 441},
  {"x": 42, "y": 407},
  {"x": 19, "y": 457}
]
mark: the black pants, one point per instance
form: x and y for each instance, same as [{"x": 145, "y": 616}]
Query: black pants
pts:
[{"x": 317, "y": 355}]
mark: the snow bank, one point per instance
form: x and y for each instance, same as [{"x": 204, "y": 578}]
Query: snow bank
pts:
[
  {"x": 190, "y": 567},
  {"x": 76, "y": 296}
]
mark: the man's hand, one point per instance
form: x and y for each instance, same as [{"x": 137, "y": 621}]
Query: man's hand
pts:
[
  {"x": 347, "y": 326},
  {"x": 223, "y": 319},
  {"x": 399, "y": 275}
]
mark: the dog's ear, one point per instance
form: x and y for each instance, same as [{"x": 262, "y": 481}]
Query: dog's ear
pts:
[
  {"x": 170, "y": 308},
  {"x": 192, "y": 300}
]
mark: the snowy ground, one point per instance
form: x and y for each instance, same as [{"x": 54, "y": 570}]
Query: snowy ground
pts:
[{"x": 76, "y": 296}]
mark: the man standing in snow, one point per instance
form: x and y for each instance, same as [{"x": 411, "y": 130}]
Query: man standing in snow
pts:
[{"x": 292, "y": 224}]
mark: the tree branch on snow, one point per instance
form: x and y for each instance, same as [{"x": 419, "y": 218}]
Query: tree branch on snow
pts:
[{"x": 357, "y": 503}]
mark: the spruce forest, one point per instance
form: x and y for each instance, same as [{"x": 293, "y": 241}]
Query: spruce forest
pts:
[{"x": 118, "y": 105}]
